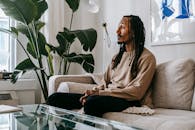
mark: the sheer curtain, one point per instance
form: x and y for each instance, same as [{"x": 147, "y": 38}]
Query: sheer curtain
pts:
[{"x": 54, "y": 19}]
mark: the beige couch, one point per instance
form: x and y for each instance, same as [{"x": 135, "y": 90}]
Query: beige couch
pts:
[{"x": 173, "y": 96}]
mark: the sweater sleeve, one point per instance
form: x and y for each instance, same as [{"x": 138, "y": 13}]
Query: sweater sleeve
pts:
[
  {"x": 105, "y": 79},
  {"x": 136, "y": 89}
]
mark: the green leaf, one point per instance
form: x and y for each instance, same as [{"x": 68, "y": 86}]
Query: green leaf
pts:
[
  {"x": 65, "y": 39},
  {"x": 39, "y": 25},
  {"x": 73, "y": 4},
  {"x": 87, "y": 38},
  {"x": 41, "y": 7},
  {"x": 16, "y": 75},
  {"x": 31, "y": 50},
  {"x": 86, "y": 60},
  {"x": 41, "y": 43},
  {"x": 21, "y": 68},
  {"x": 21, "y": 10},
  {"x": 14, "y": 30},
  {"x": 22, "y": 28}
]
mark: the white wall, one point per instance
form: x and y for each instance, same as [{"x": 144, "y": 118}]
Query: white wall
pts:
[{"x": 113, "y": 13}]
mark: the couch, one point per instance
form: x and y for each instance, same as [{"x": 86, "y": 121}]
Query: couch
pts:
[{"x": 173, "y": 96}]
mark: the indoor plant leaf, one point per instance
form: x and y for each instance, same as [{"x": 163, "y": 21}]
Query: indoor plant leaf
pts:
[
  {"x": 86, "y": 60},
  {"x": 41, "y": 7},
  {"x": 87, "y": 38},
  {"x": 12, "y": 32},
  {"x": 22, "y": 28},
  {"x": 65, "y": 39},
  {"x": 31, "y": 50},
  {"x": 67, "y": 34},
  {"x": 41, "y": 43},
  {"x": 73, "y": 4},
  {"x": 39, "y": 25},
  {"x": 21, "y": 68},
  {"x": 22, "y": 10}
]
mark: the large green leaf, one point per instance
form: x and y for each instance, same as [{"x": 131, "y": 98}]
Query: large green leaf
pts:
[
  {"x": 42, "y": 43},
  {"x": 41, "y": 7},
  {"x": 21, "y": 68},
  {"x": 40, "y": 39},
  {"x": 22, "y": 28},
  {"x": 87, "y": 38},
  {"x": 73, "y": 4},
  {"x": 65, "y": 39},
  {"x": 31, "y": 50},
  {"x": 41, "y": 46},
  {"x": 86, "y": 60},
  {"x": 39, "y": 25},
  {"x": 21, "y": 10}
]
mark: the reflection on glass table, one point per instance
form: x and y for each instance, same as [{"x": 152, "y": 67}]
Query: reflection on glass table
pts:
[{"x": 44, "y": 117}]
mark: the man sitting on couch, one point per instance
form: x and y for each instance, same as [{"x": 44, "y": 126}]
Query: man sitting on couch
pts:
[{"x": 126, "y": 81}]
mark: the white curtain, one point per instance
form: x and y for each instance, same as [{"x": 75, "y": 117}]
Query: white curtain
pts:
[{"x": 54, "y": 19}]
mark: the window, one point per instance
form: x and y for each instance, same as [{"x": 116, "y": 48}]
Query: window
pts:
[{"x": 7, "y": 45}]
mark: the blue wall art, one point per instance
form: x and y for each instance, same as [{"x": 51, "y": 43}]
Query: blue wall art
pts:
[{"x": 172, "y": 21}]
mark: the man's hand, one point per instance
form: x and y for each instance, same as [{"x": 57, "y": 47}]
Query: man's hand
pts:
[{"x": 88, "y": 93}]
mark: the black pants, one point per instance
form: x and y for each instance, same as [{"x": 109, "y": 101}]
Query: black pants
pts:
[{"x": 95, "y": 105}]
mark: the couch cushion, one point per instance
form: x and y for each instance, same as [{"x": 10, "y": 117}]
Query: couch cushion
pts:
[
  {"x": 173, "y": 84},
  {"x": 193, "y": 102},
  {"x": 163, "y": 119}
]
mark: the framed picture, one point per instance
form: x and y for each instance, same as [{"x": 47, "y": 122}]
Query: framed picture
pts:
[{"x": 172, "y": 21}]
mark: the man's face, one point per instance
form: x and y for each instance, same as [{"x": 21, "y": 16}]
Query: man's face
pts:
[{"x": 123, "y": 32}]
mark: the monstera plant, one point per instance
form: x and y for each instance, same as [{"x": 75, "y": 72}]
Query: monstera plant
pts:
[{"x": 27, "y": 13}]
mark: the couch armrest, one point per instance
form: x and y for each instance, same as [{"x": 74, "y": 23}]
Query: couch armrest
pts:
[{"x": 54, "y": 81}]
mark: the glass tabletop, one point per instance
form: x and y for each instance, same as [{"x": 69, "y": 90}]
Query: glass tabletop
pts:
[{"x": 44, "y": 117}]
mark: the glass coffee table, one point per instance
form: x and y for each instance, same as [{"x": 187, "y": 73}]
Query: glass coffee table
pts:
[{"x": 44, "y": 117}]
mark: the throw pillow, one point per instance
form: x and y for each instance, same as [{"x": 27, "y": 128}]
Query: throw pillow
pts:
[{"x": 173, "y": 84}]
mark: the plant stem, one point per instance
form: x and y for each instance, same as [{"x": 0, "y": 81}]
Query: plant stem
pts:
[
  {"x": 42, "y": 88},
  {"x": 43, "y": 79},
  {"x": 71, "y": 20},
  {"x": 39, "y": 58},
  {"x": 66, "y": 66}
]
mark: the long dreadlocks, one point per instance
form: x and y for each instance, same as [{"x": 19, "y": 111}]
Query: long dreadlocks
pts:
[{"x": 137, "y": 27}]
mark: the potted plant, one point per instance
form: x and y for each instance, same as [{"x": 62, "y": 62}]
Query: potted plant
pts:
[{"x": 28, "y": 13}]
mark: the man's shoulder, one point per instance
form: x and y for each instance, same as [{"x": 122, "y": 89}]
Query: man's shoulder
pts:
[{"x": 148, "y": 56}]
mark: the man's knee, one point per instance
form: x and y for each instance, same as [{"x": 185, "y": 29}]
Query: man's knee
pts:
[
  {"x": 91, "y": 106},
  {"x": 52, "y": 99}
]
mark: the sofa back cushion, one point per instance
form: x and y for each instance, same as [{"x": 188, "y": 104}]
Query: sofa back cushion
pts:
[
  {"x": 173, "y": 84},
  {"x": 193, "y": 102}
]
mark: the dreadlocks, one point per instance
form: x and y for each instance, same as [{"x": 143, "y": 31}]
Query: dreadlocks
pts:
[{"x": 137, "y": 27}]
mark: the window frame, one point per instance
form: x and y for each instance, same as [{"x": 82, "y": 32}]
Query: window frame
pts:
[{"x": 11, "y": 46}]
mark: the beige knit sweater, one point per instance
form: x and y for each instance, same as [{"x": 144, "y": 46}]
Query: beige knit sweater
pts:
[{"x": 119, "y": 82}]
